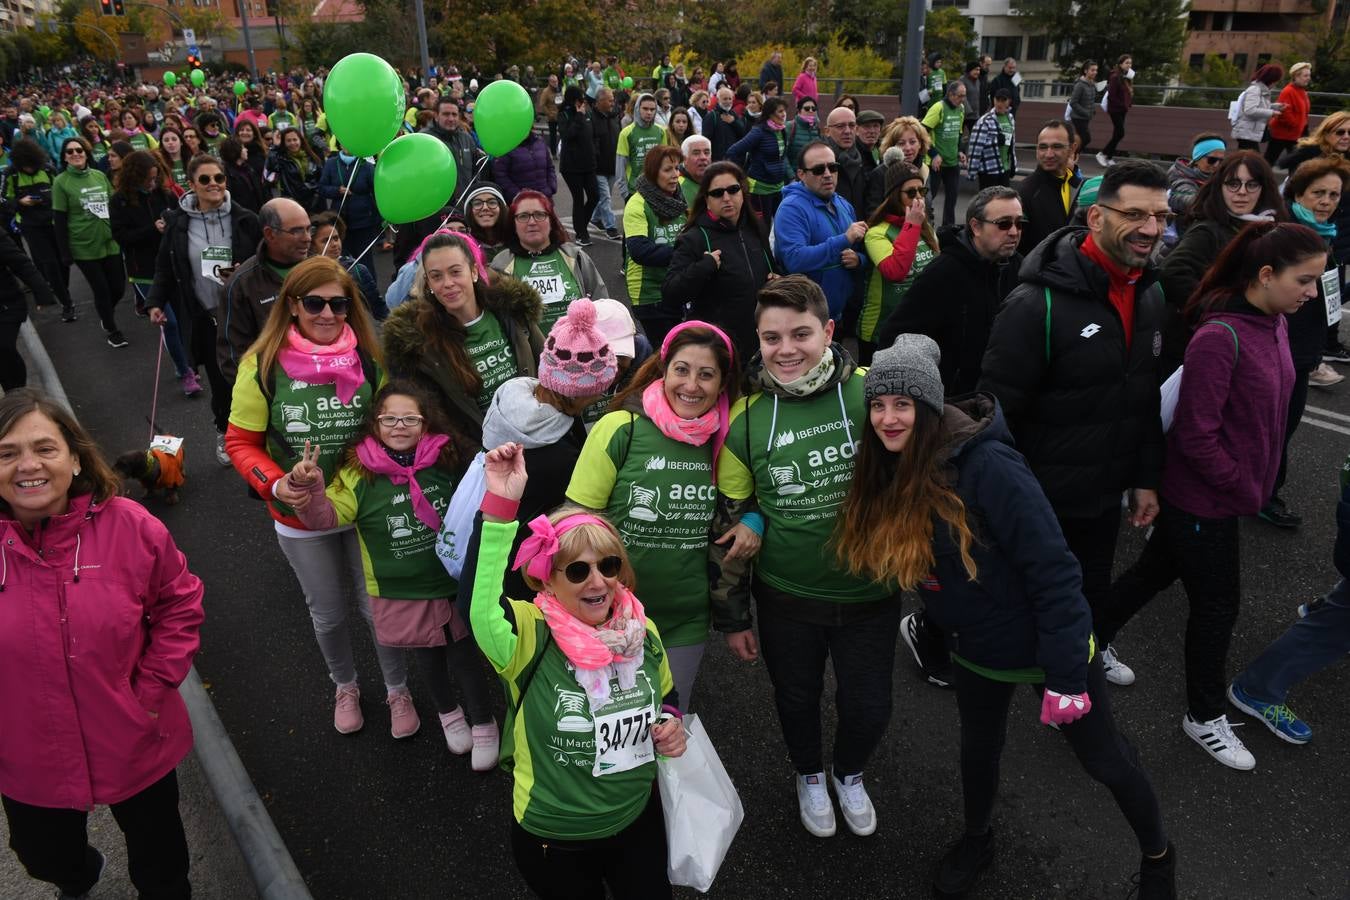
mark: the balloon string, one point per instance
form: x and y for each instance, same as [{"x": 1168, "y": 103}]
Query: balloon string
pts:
[
  {"x": 362, "y": 254},
  {"x": 341, "y": 203},
  {"x": 468, "y": 188}
]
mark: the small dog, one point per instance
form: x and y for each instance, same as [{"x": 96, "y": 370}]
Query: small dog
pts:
[{"x": 157, "y": 469}]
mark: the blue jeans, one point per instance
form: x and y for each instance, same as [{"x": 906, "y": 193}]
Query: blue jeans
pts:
[
  {"x": 1310, "y": 644},
  {"x": 604, "y": 213},
  {"x": 172, "y": 339}
]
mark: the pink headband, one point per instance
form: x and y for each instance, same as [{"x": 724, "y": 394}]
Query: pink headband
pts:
[
  {"x": 537, "y": 551},
  {"x": 695, "y": 323},
  {"x": 474, "y": 249}
]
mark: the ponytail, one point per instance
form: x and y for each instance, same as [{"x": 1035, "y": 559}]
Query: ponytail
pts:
[{"x": 1275, "y": 244}]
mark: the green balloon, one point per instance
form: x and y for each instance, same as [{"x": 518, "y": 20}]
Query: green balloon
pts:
[
  {"x": 170, "y": 79},
  {"x": 45, "y": 110},
  {"x": 363, "y": 98},
  {"x": 628, "y": 82},
  {"x": 414, "y": 177},
  {"x": 240, "y": 89},
  {"x": 503, "y": 117},
  {"x": 198, "y": 78}
]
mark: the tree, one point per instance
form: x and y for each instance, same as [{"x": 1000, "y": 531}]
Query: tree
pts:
[
  {"x": 1328, "y": 49},
  {"x": 1151, "y": 31},
  {"x": 948, "y": 32},
  {"x": 92, "y": 32},
  {"x": 207, "y": 21}
]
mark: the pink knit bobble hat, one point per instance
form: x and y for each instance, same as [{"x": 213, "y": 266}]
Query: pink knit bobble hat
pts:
[{"x": 577, "y": 360}]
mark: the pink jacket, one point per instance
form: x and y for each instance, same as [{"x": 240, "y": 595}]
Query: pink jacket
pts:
[
  {"x": 803, "y": 87},
  {"x": 99, "y": 621}
]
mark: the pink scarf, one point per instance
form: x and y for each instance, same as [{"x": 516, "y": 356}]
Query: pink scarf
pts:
[
  {"x": 613, "y": 647},
  {"x": 714, "y": 423},
  {"x": 372, "y": 455},
  {"x": 337, "y": 363}
]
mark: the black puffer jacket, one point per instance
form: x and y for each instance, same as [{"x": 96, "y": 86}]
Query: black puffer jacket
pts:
[
  {"x": 577, "y": 131},
  {"x": 133, "y": 227},
  {"x": 15, "y": 266},
  {"x": 1084, "y": 409},
  {"x": 954, "y": 302},
  {"x": 1179, "y": 274}
]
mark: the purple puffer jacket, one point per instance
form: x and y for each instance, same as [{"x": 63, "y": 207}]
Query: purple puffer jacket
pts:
[{"x": 527, "y": 166}]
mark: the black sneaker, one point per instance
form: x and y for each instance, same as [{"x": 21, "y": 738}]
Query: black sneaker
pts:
[
  {"x": 68, "y": 314},
  {"x": 613, "y": 235},
  {"x": 116, "y": 340},
  {"x": 1337, "y": 355},
  {"x": 1278, "y": 514},
  {"x": 582, "y": 241},
  {"x": 1156, "y": 878},
  {"x": 962, "y": 864}
]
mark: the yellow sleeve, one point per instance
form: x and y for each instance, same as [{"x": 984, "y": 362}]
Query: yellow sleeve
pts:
[
  {"x": 934, "y": 116},
  {"x": 342, "y": 494},
  {"x": 635, "y": 217},
  {"x": 878, "y": 246},
  {"x": 623, "y": 140},
  {"x": 734, "y": 477},
  {"x": 667, "y": 680},
  {"x": 249, "y": 409},
  {"x": 595, "y": 472}
]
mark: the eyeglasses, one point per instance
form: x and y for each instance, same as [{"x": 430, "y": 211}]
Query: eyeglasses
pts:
[
  {"x": 821, "y": 169},
  {"x": 314, "y": 304},
  {"x": 1140, "y": 216},
  {"x": 483, "y": 202},
  {"x": 218, "y": 178},
  {"x": 1007, "y": 223},
  {"x": 300, "y": 231},
  {"x": 396, "y": 421},
  {"x": 719, "y": 193},
  {"x": 806, "y": 109},
  {"x": 577, "y": 572},
  {"x": 1055, "y": 147},
  {"x": 537, "y": 215},
  {"x": 1237, "y": 185},
  {"x": 913, "y": 192},
  {"x": 1341, "y": 132}
]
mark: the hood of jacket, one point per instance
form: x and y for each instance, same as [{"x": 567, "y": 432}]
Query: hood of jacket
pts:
[
  {"x": 970, "y": 420},
  {"x": 188, "y": 204},
  {"x": 759, "y": 379},
  {"x": 516, "y": 415},
  {"x": 1182, "y": 170},
  {"x": 809, "y": 195},
  {"x": 1056, "y": 263}
]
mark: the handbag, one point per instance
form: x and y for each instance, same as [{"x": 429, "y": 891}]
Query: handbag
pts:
[{"x": 702, "y": 809}]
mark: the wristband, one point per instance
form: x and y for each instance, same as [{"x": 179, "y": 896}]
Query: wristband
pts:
[
  {"x": 670, "y": 710},
  {"x": 754, "y": 521},
  {"x": 499, "y": 507}
]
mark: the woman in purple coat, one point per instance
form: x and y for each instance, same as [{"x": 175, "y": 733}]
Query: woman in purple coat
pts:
[{"x": 529, "y": 166}]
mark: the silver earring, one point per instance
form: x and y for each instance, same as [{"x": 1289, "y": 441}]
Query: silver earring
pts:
[{"x": 77, "y": 472}]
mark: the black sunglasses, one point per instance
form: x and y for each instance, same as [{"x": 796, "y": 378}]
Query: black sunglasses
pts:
[
  {"x": 577, "y": 572},
  {"x": 1006, "y": 223},
  {"x": 808, "y": 109},
  {"x": 719, "y": 193},
  {"x": 314, "y": 304},
  {"x": 913, "y": 192},
  {"x": 218, "y": 178},
  {"x": 823, "y": 168}
]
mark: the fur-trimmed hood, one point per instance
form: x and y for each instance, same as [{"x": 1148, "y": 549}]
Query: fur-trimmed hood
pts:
[{"x": 509, "y": 297}]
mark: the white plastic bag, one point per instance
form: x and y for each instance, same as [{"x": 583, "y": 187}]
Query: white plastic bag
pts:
[
  {"x": 1103, "y": 103},
  {"x": 1171, "y": 392},
  {"x": 457, "y": 524},
  {"x": 1068, "y": 111},
  {"x": 702, "y": 809},
  {"x": 1234, "y": 111}
]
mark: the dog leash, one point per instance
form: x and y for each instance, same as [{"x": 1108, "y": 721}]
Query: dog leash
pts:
[{"x": 154, "y": 402}]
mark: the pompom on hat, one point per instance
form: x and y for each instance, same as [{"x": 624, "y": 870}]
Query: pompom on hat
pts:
[{"x": 577, "y": 360}]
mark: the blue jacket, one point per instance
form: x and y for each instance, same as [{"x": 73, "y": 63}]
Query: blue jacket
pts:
[
  {"x": 766, "y": 162},
  {"x": 359, "y": 211},
  {"x": 808, "y": 241},
  {"x": 1027, "y": 608}
]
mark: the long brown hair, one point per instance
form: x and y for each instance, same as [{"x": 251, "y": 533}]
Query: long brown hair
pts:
[
  {"x": 306, "y": 277},
  {"x": 1209, "y": 201},
  {"x": 1275, "y": 244},
  {"x": 885, "y": 529},
  {"x": 433, "y": 422},
  {"x": 95, "y": 477},
  {"x": 129, "y": 179},
  {"x": 654, "y": 368},
  {"x": 442, "y": 334}
]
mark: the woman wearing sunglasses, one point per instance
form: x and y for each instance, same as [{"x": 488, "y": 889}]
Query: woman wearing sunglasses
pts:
[
  {"x": 721, "y": 259},
  {"x": 587, "y": 684},
  {"x": 80, "y": 197},
  {"x": 901, "y": 243},
  {"x": 804, "y": 129},
  {"x": 207, "y": 232},
  {"x": 764, "y": 152},
  {"x": 308, "y": 380},
  {"x": 648, "y": 468}
]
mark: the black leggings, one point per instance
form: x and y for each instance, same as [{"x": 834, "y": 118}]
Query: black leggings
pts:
[
  {"x": 108, "y": 280},
  {"x": 585, "y": 197},
  {"x": 13, "y": 372},
  {"x": 202, "y": 351},
  {"x": 631, "y": 863},
  {"x": 1117, "y": 134},
  {"x": 462, "y": 658},
  {"x": 1205, "y": 555},
  {"x": 1101, "y": 749},
  {"x": 948, "y": 181},
  {"x": 1298, "y": 399},
  {"x": 42, "y": 247}
]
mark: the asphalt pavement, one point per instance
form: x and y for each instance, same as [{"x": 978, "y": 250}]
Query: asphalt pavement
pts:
[{"x": 369, "y": 817}]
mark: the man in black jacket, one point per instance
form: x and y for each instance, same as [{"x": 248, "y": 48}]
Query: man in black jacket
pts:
[
  {"x": 772, "y": 70},
  {"x": 606, "y": 122},
  {"x": 955, "y": 299},
  {"x": 1074, "y": 359},
  {"x": 1047, "y": 193},
  {"x": 1010, "y": 81}
]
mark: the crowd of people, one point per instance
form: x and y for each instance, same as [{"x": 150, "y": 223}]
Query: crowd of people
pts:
[{"x": 812, "y": 404}]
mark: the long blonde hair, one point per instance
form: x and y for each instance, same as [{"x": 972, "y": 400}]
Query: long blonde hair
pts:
[
  {"x": 1324, "y": 137},
  {"x": 306, "y": 277}
]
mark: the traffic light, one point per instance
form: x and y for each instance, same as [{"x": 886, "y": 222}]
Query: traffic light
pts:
[
  {"x": 117, "y": 8},
  {"x": 107, "y": 7},
  {"x": 194, "y": 61}
]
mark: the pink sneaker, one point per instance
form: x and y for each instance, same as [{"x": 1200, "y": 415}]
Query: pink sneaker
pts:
[
  {"x": 191, "y": 385},
  {"x": 403, "y": 720},
  {"x": 457, "y": 735},
  {"x": 347, "y": 716},
  {"x": 486, "y": 741}
]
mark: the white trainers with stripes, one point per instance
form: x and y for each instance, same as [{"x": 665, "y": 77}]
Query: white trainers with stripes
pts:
[{"x": 1218, "y": 739}]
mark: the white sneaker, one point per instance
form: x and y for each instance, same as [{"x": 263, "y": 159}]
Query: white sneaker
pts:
[
  {"x": 486, "y": 746},
  {"x": 221, "y": 456},
  {"x": 859, "y": 814},
  {"x": 458, "y": 737},
  {"x": 1324, "y": 376},
  {"x": 1116, "y": 671},
  {"x": 813, "y": 801},
  {"x": 1217, "y": 737},
  {"x": 1102, "y": 160}
]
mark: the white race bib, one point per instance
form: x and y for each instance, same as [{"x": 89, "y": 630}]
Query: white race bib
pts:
[
  {"x": 96, "y": 208},
  {"x": 1331, "y": 289},
  {"x": 623, "y": 740},
  {"x": 550, "y": 287},
  {"x": 213, "y": 260}
]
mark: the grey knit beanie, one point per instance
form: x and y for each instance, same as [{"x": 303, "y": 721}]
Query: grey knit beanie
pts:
[{"x": 909, "y": 367}]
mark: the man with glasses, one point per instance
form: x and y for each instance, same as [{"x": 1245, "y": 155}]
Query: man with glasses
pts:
[
  {"x": 1187, "y": 176},
  {"x": 818, "y": 233},
  {"x": 1074, "y": 360},
  {"x": 841, "y": 133},
  {"x": 253, "y": 286},
  {"x": 1047, "y": 193}
]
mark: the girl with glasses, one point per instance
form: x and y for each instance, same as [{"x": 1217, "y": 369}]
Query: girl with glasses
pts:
[
  {"x": 541, "y": 254},
  {"x": 303, "y": 388},
  {"x": 578, "y": 661},
  {"x": 488, "y": 220},
  {"x": 397, "y": 475},
  {"x": 80, "y": 197}
]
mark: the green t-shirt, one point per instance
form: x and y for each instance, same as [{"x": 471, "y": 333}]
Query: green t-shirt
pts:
[
  {"x": 281, "y": 120},
  {"x": 688, "y": 187},
  {"x": 552, "y": 277},
  {"x": 563, "y": 787},
  {"x": 398, "y": 552},
  {"x": 83, "y": 196},
  {"x": 644, "y": 282},
  {"x": 944, "y": 122},
  {"x": 659, "y": 494},
  {"x": 1005, "y": 125},
  {"x": 634, "y": 142},
  {"x": 142, "y": 141},
  {"x": 492, "y": 355},
  {"x": 797, "y": 456},
  {"x": 883, "y": 296},
  {"x": 180, "y": 174}
]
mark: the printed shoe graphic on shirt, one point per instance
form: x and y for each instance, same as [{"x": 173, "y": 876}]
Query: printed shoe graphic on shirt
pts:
[
  {"x": 398, "y": 526},
  {"x": 787, "y": 479},
  {"x": 643, "y": 503},
  {"x": 296, "y": 418},
  {"x": 571, "y": 710}
]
